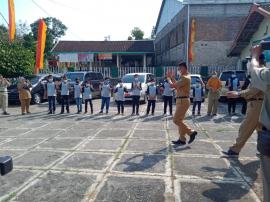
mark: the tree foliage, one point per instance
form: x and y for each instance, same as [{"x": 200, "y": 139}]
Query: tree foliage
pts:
[
  {"x": 15, "y": 60},
  {"x": 137, "y": 33}
]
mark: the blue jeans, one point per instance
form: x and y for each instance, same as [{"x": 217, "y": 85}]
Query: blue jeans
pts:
[
  {"x": 79, "y": 104},
  {"x": 105, "y": 101},
  {"x": 51, "y": 100}
]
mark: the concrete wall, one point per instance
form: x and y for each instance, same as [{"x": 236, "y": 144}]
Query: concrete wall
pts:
[
  {"x": 262, "y": 32},
  {"x": 216, "y": 28},
  {"x": 170, "y": 9}
]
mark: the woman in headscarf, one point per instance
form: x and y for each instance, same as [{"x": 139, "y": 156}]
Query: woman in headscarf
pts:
[{"x": 24, "y": 88}]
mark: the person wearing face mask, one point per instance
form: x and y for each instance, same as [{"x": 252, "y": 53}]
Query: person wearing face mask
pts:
[
  {"x": 214, "y": 86},
  {"x": 254, "y": 98},
  {"x": 78, "y": 95},
  {"x": 198, "y": 94},
  {"x": 136, "y": 89},
  {"x": 4, "y": 83},
  {"x": 51, "y": 94},
  {"x": 64, "y": 88},
  {"x": 24, "y": 88},
  {"x": 151, "y": 92},
  {"x": 232, "y": 84},
  {"x": 87, "y": 96},
  {"x": 105, "y": 95},
  {"x": 120, "y": 97},
  {"x": 167, "y": 96},
  {"x": 182, "y": 87}
]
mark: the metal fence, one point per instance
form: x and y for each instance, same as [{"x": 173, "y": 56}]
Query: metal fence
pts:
[{"x": 115, "y": 72}]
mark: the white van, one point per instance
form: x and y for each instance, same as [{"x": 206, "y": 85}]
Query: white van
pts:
[{"x": 144, "y": 78}]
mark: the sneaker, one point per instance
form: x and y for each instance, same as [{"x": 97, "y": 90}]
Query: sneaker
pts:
[
  {"x": 179, "y": 142},
  {"x": 230, "y": 153},
  {"x": 192, "y": 137}
]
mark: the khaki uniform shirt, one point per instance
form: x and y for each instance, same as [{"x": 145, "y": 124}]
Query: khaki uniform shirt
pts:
[
  {"x": 260, "y": 79},
  {"x": 23, "y": 93},
  {"x": 183, "y": 86}
]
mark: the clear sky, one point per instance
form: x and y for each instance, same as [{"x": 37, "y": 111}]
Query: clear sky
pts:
[{"x": 90, "y": 19}]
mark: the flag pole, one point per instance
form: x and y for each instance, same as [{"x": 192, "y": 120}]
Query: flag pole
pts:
[{"x": 188, "y": 33}]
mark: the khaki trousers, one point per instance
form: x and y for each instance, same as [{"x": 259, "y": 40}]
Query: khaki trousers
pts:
[
  {"x": 182, "y": 106},
  {"x": 248, "y": 125},
  {"x": 212, "y": 103},
  {"x": 4, "y": 101},
  {"x": 25, "y": 103}
]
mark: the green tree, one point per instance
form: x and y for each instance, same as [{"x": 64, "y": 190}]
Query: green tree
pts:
[
  {"x": 137, "y": 33},
  {"x": 15, "y": 60},
  {"x": 55, "y": 30}
]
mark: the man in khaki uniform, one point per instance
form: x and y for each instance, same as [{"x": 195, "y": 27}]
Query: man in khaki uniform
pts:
[
  {"x": 214, "y": 85},
  {"x": 182, "y": 104},
  {"x": 254, "y": 98},
  {"x": 4, "y": 94}
]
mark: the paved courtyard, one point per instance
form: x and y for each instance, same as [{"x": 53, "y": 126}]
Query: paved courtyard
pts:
[{"x": 106, "y": 158}]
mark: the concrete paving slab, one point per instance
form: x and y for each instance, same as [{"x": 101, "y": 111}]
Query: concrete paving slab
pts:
[
  {"x": 12, "y": 181},
  {"x": 112, "y": 134},
  {"x": 58, "y": 187},
  {"x": 150, "y": 146},
  {"x": 197, "y": 147},
  {"x": 102, "y": 145},
  {"x": 12, "y": 132},
  {"x": 249, "y": 150},
  {"x": 63, "y": 143},
  {"x": 43, "y": 134},
  {"x": 76, "y": 133},
  {"x": 202, "y": 167},
  {"x": 149, "y": 134},
  {"x": 142, "y": 163},
  {"x": 38, "y": 158},
  {"x": 209, "y": 192},
  {"x": 21, "y": 143},
  {"x": 12, "y": 153},
  {"x": 92, "y": 161},
  {"x": 118, "y": 189}
]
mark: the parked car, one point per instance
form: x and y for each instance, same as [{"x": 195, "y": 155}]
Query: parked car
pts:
[
  {"x": 38, "y": 86},
  {"x": 225, "y": 75},
  {"x": 144, "y": 78},
  {"x": 95, "y": 77},
  {"x": 194, "y": 78}
]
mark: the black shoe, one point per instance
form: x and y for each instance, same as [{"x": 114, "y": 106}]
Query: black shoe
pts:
[
  {"x": 214, "y": 114},
  {"x": 192, "y": 137},
  {"x": 53, "y": 112},
  {"x": 50, "y": 113},
  {"x": 68, "y": 111},
  {"x": 193, "y": 113},
  {"x": 137, "y": 114},
  {"x": 132, "y": 114},
  {"x": 62, "y": 112},
  {"x": 199, "y": 114},
  {"x": 107, "y": 112},
  {"x": 179, "y": 142},
  {"x": 5, "y": 113},
  {"x": 101, "y": 112},
  {"x": 78, "y": 112},
  {"x": 230, "y": 153}
]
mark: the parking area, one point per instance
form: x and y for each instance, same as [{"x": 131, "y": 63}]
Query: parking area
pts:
[{"x": 78, "y": 157}]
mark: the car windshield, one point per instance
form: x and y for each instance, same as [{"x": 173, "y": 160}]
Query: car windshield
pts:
[
  {"x": 130, "y": 78},
  {"x": 73, "y": 76},
  {"x": 34, "y": 80},
  {"x": 241, "y": 75},
  {"x": 225, "y": 76}
]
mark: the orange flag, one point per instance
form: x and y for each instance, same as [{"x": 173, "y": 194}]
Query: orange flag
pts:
[
  {"x": 191, "y": 54},
  {"x": 12, "y": 24},
  {"x": 42, "y": 28}
]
